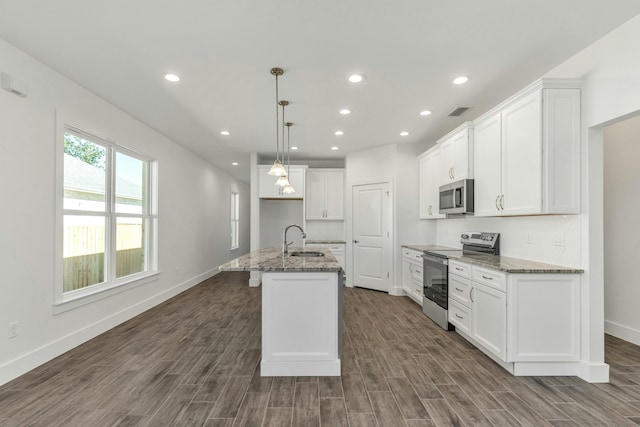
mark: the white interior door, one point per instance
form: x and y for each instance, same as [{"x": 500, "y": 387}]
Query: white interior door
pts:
[{"x": 371, "y": 225}]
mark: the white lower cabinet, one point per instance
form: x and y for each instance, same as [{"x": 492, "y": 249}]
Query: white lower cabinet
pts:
[
  {"x": 489, "y": 319},
  {"x": 529, "y": 323},
  {"x": 412, "y": 274}
]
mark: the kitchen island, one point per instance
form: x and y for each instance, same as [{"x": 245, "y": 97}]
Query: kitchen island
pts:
[{"x": 302, "y": 300}]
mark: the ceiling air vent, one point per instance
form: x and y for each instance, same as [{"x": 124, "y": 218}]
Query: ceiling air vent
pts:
[{"x": 458, "y": 111}]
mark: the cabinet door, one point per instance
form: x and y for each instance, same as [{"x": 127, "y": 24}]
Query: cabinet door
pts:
[
  {"x": 266, "y": 184},
  {"x": 522, "y": 156},
  {"x": 447, "y": 160},
  {"x": 296, "y": 178},
  {"x": 460, "y": 165},
  {"x": 489, "y": 319},
  {"x": 314, "y": 202},
  {"x": 429, "y": 172},
  {"x": 334, "y": 195},
  {"x": 487, "y": 142}
]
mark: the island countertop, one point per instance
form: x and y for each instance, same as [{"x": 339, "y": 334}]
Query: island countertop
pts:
[{"x": 272, "y": 259}]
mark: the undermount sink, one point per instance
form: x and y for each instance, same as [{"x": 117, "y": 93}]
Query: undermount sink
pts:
[{"x": 307, "y": 254}]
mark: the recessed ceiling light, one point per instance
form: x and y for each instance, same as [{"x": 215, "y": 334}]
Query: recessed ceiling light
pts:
[
  {"x": 356, "y": 78},
  {"x": 334, "y": 148},
  {"x": 425, "y": 113},
  {"x": 460, "y": 80},
  {"x": 234, "y": 164},
  {"x": 338, "y": 133},
  {"x": 345, "y": 111},
  {"x": 294, "y": 148},
  {"x": 404, "y": 133},
  {"x": 172, "y": 78},
  {"x": 225, "y": 132}
]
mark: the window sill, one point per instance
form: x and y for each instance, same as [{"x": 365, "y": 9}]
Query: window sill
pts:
[{"x": 83, "y": 297}]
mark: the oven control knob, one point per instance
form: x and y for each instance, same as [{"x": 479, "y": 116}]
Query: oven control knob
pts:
[{"x": 464, "y": 236}]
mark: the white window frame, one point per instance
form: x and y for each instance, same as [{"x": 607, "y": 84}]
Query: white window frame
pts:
[
  {"x": 64, "y": 301},
  {"x": 234, "y": 219}
]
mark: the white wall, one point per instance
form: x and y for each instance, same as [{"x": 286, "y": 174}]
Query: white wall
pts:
[
  {"x": 193, "y": 216},
  {"x": 397, "y": 164},
  {"x": 622, "y": 229}
]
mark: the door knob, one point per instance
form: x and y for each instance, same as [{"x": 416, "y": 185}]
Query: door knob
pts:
[{"x": 356, "y": 241}]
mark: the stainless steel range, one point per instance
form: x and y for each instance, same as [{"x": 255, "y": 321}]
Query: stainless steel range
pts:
[{"x": 435, "y": 300}]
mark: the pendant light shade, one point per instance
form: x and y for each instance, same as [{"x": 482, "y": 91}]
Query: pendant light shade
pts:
[
  {"x": 277, "y": 169},
  {"x": 282, "y": 181}
]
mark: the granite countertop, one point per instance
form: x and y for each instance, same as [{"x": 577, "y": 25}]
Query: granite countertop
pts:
[
  {"x": 422, "y": 248},
  {"x": 272, "y": 259},
  {"x": 515, "y": 265},
  {"x": 499, "y": 262},
  {"x": 325, "y": 241}
]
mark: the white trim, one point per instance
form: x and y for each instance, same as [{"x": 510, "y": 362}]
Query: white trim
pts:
[
  {"x": 20, "y": 365},
  {"x": 90, "y": 294},
  {"x": 326, "y": 368},
  {"x": 623, "y": 332}
]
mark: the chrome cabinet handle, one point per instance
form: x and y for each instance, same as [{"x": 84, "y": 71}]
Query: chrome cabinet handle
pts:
[
  {"x": 459, "y": 269},
  {"x": 458, "y": 289},
  {"x": 453, "y": 172},
  {"x": 356, "y": 241},
  {"x": 497, "y": 198},
  {"x": 458, "y": 316},
  {"x": 471, "y": 294},
  {"x": 487, "y": 278},
  {"x": 502, "y": 202}
]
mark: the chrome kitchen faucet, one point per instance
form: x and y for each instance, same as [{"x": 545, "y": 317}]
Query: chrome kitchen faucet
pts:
[{"x": 285, "y": 245}]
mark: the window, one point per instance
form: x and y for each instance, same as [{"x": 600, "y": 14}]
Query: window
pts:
[
  {"x": 234, "y": 214},
  {"x": 108, "y": 220}
]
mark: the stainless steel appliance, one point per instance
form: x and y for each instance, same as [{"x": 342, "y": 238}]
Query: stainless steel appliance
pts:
[
  {"x": 457, "y": 198},
  {"x": 435, "y": 300}
]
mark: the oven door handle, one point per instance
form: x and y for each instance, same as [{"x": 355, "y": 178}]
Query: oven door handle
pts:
[{"x": 435, "y": 260}]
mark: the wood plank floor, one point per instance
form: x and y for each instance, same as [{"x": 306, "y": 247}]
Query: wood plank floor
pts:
[{"x": 194, "y": 361}]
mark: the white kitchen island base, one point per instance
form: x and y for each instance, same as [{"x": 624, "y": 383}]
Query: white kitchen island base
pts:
[{"x": 301, "y": 324}]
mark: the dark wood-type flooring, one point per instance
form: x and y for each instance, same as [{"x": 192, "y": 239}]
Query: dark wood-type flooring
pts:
[{"x": 194, "y": 361}]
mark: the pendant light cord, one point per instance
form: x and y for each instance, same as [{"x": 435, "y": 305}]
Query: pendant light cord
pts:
[{"x": 278, "y": 124}]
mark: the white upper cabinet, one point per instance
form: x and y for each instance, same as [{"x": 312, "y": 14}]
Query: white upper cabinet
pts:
[
  {"x": 325, "y": 194},
  {"x": 527, "y": 153},
  {"x": 268, "y": 190},
  {"x": 430, "y": 166},
  {"x": 457, "y": 149}
]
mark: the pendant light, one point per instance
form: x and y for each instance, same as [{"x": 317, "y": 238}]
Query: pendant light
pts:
[
  {"x": 288, "y": 189},
  {"x": 277, "y": 169},
  {"x": 283, "y": 180}
]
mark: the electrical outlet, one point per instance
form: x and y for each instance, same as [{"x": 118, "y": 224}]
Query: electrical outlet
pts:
[{"x": 14, "y": 329}]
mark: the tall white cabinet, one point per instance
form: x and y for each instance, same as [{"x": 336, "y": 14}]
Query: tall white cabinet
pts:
[
  {"x": 325, "y": 194},
  {"x": 527, "y": 152}
]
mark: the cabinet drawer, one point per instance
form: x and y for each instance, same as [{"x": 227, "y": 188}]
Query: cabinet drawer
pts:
[
  {"x": 412, "y": 255},
  {"x": 459, "y": 269},
  {"x": 460, "y": 316},
  {"x": 491, "y": 278},
  {"x": 459, "y": 289}
]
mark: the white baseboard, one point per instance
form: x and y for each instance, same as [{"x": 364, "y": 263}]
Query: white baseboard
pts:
[
  {"x": 323, "y": 368},
  {"x": 593, "y": 372},
  {"x": 623, "y": 332},
  {"x": 397, "y": 291},
  {"x": 34, "y": 358}
]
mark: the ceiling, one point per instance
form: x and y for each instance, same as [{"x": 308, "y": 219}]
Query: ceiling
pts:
[{"x": 409, "y": 51}]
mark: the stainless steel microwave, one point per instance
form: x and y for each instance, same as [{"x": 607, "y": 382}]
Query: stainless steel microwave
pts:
[{"x": 456, "y": 198}]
